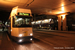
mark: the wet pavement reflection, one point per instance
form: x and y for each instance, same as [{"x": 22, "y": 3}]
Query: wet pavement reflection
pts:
[
  {"x": 7, "y": 44},
  {"x": 55, "y": 42}
]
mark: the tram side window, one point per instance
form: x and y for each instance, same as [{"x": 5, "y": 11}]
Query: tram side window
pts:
[{"x": 22, "y": 22}]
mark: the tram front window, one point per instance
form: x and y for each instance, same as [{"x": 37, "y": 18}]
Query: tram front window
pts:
[{"x": 22, "y": 22}]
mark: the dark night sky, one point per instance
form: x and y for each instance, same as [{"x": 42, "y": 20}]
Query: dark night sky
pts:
[{"x": 4, "y": 15}]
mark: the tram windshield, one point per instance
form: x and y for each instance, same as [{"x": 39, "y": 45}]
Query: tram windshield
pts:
[{"x": 22, "y": 21}]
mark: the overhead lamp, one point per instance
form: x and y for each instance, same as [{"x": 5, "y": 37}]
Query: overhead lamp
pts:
[
  {"x": 46, "y": 20},
  {"x": 20, "y": 19},
  {"x": 49, "y": 19}
]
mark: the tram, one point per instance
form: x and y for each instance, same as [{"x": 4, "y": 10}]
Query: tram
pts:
[{"x": 19, "y": 25}]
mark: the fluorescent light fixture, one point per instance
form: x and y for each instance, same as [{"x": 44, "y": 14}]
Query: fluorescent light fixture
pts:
[
  {"x": 33, "y": 22},
  {"x": 49, "y": 19},
  {"x": 46, "y": 20},
  {"x": 39, "y": 21},
  {"x": 17, "y": 20},
  {"x": 20, "y": 19}
]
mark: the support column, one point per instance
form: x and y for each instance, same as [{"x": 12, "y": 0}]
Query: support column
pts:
[
  {"x": 64, "y": 23},
  {"x": 62, "y": 17},
  {"x": 59, "y": 22}
]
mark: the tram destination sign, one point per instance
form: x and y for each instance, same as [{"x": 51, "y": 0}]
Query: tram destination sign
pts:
[{"x": 25, "y": 14}]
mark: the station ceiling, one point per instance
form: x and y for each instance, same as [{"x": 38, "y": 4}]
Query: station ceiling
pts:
[{"x": 40, "y": 6}]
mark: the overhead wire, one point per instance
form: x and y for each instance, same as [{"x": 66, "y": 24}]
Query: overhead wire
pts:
[
  {"x": 29, "y": 3},
  {"x": 25, "y": 3}
]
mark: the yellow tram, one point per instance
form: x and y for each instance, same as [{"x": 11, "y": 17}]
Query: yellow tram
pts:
[{"x": 19, "y": 24}]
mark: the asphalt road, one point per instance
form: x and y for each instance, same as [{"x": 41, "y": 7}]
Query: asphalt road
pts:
[
  {"x": 63, "y": 40},
  {"x": 7, "y": 44},
  {"x": 42, "y": 41}
]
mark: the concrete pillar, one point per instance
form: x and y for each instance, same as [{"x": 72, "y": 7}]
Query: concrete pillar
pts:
[
  {"x": 64, "y": 23},
  {"x": 62, "y": 17},
  {"x": 59, "y": 22}
]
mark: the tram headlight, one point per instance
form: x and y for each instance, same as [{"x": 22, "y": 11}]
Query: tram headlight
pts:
[
  {"x": 31, "y": 34},
  {"x": 31, "y": 39},
  {"x": 20, "y": 40},
  {"x": 20, "y": 35}
]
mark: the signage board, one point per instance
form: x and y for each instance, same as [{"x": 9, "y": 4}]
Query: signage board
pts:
[{"x": 25, "y": 14}]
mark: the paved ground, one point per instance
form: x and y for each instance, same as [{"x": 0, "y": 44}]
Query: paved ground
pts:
[
  {"x": 7, "y": 44},
  {"x": 43, "y": 40},
  {"x": 63, "y": 40}
]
